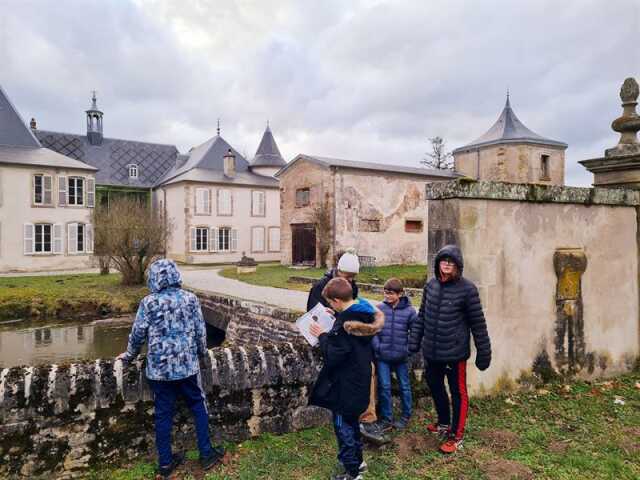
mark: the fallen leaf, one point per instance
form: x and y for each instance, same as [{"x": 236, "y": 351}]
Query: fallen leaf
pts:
[
  {"x": 542, "y": 391},
  {"x": 618, "y": 400},
  {"x": 637, "y": 385},
  {"x": 509, "y": 401}
]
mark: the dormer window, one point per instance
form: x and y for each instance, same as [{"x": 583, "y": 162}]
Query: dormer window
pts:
[{"x": 133, "y": 171}]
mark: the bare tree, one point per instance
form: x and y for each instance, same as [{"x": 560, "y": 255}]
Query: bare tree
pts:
[
  {"x": 321, "y": 217},
  {"x": 438, "y": 157},
  {"x": 131, "y": 236}
]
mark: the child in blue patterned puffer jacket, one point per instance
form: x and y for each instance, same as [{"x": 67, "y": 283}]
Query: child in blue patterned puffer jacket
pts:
[{"x": 170, "y": 321}]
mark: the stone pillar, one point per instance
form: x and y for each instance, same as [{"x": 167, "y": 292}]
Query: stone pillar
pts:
[{"x": 620, "y": 166}]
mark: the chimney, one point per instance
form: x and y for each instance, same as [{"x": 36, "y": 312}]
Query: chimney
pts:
[
  {"x": 33, "y": 124},
  {"x": 230, "y": 164}
]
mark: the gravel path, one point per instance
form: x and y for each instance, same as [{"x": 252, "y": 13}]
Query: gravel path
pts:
[{"x": 211, "y": 281}]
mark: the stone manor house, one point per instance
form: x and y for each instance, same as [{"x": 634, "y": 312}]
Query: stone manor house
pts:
[{"x": 221, "y": 204}]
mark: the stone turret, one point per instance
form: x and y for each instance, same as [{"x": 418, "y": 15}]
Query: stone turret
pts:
[
  {"x": 268, "y": 159},
  {"x": 620, "y": 166},
  {"x": 511, "y": 152}
]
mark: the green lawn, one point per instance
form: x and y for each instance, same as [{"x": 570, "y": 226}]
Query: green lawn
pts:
[
  {"x": 66, "y": 296},
  {"x": 278, "y": 275},
  {"x": 567, "y": 432}
]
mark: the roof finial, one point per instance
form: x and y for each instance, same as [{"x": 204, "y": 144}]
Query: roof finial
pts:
[
  {"x": 94, "y": 105},
  {"x": 508, "y": 104},
  {"x": 218, "y": 127}
]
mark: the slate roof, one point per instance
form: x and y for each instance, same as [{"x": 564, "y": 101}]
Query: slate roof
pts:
[
  {"x": 113, "y": 156},
  {"x": 19, "y": 146},
  {"x": 206, "y": 163},
  {"x": 381, "y": 167},
  {"x": 509, "y": 129},
  {"x": 268, "y": 154}
]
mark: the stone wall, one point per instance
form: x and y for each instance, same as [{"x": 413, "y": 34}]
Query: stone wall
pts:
[
  {"x": 64, "y": 419},
  {"x": 523, "y": 245},
  {"x": 249, "y": 323}
]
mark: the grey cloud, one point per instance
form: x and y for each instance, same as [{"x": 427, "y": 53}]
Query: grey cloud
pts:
[{"x": 365, "y": 80}]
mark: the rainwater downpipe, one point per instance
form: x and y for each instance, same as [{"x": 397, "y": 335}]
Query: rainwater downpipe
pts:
[{"x": 478, "y": 164}]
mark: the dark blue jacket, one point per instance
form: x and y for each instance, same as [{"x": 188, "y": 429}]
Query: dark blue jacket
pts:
[
  {"x": 344, "y": 383},
  {"x": 392, "y": 343}
]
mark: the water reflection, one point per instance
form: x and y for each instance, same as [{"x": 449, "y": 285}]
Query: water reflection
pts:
[{"x": 22, "y": 344}]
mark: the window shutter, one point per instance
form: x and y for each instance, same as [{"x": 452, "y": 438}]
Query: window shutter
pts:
[
  {"x": 207, "y": 201},
  {"x": 262, "y": 197},
  {"x": 62, "y": 191},
  {"x": 234, "y": 240},
  {"x": 88, "y": 238},
  {"x": 47, "y": 185},
  {"x": 213, "y": 241},
  {"x": 28, "y": 238},
  {"x": 193, "y": 239},
  {"x": 199, "y": 205},
  {"x": 274, "y": 239},
  {"x": 91, "y": 192},
  {"x": 57, "y": 238},
  {"x": 72, "y": 238}
]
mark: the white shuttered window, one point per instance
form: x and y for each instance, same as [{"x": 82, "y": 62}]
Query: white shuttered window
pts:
[
  {"x": 58, "y": 233},
  {"x": 91, "y": 192},
  {"x": 225, "y": 202},
  {"x": 274, "y": 239},
  {"x": 28, "y": 238},
  {"x": 257, "y": 239},
  {"x": 203, "y": 201},
  {"x": 257, "y": 203}
]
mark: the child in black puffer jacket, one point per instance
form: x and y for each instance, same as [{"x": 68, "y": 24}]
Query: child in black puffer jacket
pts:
[{"x": 449, "y": 314}]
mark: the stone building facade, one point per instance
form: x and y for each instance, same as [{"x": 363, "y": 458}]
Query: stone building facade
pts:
[
  {"x": 329, "y": 205},
  {"x": 510, "y": 152},
  {"x": 220, "y": 205},
  {"x": 46, "y": 201}
]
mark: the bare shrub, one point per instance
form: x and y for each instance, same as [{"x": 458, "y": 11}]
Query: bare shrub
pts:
[{"x": 131, "y": 236}]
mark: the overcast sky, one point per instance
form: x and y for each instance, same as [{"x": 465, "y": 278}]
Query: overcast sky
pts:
[{"x": 364, "y": 80}]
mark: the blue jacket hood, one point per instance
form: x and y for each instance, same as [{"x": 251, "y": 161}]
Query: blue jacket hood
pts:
[{"x": 163, "y": 274}]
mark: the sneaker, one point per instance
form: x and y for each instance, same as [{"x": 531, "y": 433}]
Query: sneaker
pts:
[
  {"x": 402, "y": 423},
  {"x": 340, "y": 470},
  {"x": 384, "y": 425},
  {"x": 451, "y": 446},
  {"x": 439, "y": 429},
  {"x": 346, "y": 476},
  {"x": 212, "y": 460},
  {"x": 166, "y": 471},
  {"x": 372, "y": 433}
]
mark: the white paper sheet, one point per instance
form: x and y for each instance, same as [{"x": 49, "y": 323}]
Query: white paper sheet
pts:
[{"x": 316, "y": 314}]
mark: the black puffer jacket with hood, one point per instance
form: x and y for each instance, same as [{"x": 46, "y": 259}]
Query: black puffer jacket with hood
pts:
[{"x": 450, "y": 312}]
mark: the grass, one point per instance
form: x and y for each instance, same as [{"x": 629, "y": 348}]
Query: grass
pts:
[
  {"x": 278, "y": 275},
  {"x": 563, "y": 431},
  {"x": 66, "y": 296}
]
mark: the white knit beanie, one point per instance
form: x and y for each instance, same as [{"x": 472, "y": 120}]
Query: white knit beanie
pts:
[{"x": 349, "y": 262}]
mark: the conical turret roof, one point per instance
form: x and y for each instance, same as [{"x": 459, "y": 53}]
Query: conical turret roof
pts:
[
  {"x": 268, "y": 154},
  {"x": 509, "y": 129}
]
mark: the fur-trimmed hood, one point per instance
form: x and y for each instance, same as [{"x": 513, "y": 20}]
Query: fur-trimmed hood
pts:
[{"x": 366, "y": 324}]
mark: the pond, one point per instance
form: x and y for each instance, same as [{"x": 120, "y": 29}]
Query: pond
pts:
[{"x": 22, "y": 343}]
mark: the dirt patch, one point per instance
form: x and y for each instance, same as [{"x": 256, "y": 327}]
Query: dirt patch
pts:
[
  {"x": 630, "y": 442},
  {"x": 413, "y": 443},
  {"x": 500, "y": 469},
  {"x": 558, "y": 447},
  {"x": 500, "y": 440}
]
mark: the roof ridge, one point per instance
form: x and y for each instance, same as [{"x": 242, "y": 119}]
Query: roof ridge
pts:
[{"x": 107, "y": 138}]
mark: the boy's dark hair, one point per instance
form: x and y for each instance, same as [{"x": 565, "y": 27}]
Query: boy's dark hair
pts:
[
  {"x": 394, "y": 285},
  {"x": 338, "y": 289}
]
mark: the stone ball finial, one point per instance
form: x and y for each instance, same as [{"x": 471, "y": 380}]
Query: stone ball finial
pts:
[{"x": 629, "y": 90}]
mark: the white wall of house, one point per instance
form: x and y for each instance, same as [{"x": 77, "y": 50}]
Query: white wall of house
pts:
[
  {"x": 216, "y": 223},
  {"x": 44, "y": 227}
]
